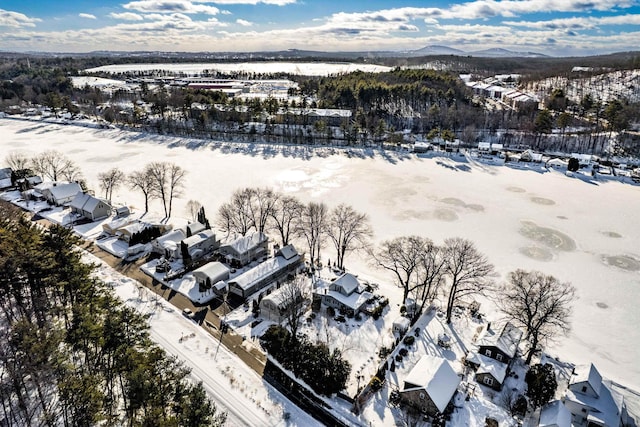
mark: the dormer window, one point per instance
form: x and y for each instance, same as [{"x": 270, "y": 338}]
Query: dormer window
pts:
[
  {"x": 499, "y": 357},
  {"x": 487, "y": 352}
]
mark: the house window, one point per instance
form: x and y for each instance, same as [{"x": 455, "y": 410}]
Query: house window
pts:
[
  {"x": 422, "y": 396},
  {"x": 488, "y": 381},
  {"x": 584, "y": 388},
  {"x": 487, "y": 352},
  {"x": 499, "y": 357}
]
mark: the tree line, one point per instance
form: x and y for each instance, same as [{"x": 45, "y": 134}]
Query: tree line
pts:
[
  {"x": 72, "y": 354},
  {"x": 263, "y": 209}
]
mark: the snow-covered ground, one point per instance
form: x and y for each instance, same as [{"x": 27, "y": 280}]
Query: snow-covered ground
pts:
[
  {"x": 247, "y": 398},
  {"x": 299, "y": 68},
  {"x": 580, "y": 231}
]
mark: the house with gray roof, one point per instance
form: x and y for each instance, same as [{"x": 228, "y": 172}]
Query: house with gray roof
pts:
[
  {"x": 59, "y": 193},
  {"x": 90, "y": 207},
  {"x": 345, "y": 294}
]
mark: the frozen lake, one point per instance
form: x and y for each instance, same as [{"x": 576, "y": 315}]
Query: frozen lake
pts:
[{"x": 584, "y": 233}]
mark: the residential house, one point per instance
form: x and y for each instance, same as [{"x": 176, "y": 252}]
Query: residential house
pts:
[
  {"x": 243, "y": 250},
  {"x": 126, "y": 231},
  {"x": 90, "y": 207},
  {"x": 286, "y": 262},
  {"x": 503, "y": 347},
  {"x": 275, "y": 306},
  {"x": 116, "y": 224},
  {"x": 168, "y": 245},
  {"x": 200, "y": 244},
  {"x": 195, "y": 228},
  {"x": 593, "y": 402},
  {"x": 489, "y": 372},
  {"x": 344, "y": 294},
  {"x": 430, "y": 386},
  {"x": 58, "y": 193},
  {"x": 210, "y": 275},
  {"x": 555, "y": 414}
]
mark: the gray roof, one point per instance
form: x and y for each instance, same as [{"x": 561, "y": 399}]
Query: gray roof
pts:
[{"x": 212, "y": 270}]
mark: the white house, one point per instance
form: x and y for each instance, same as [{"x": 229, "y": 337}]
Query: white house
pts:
[
  {"x": 245, "y": 249},
  {"x": 592, "y": 401},
  {"x": 201, "y": 244},
  {"x": 58, "y": 193},
  {"x": 90, "y": 207},
  {"x": 344, "y": 294},
  {"x": 430, "y": 385},
  {"x": 168, "y": 245},
  {"x": 210, "y": 274},
  {"x": 275, "y": 305}
]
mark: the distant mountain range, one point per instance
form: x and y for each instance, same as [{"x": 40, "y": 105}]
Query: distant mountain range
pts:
[{"x": 486, "y": 53}]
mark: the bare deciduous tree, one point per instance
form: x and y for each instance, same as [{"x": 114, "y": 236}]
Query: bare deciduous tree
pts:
[
  {"x": 193, "y": 207},
  {"x": 416, "y": 262},
  {"x": 348, "y": 230},
  {"x": 262, "y": 203},
  {"x": 539, "y": 304},
  {"x": 17, "y": 161},
  {"x": 168, "y": 180},
  {"x": 312, "y": 228},
  {"x": 285, "y": 217},
  {"x": 235, "y": 216},
  {"x": 143, "y": 181},
  {"x": 110, "y": 180},
  {"x": 470, "y": 271},
  {"x": 55, "y": 166},
  {"x": 294, "y": 295}
]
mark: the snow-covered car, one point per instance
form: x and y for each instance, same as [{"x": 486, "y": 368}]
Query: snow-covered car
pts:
[{"x": 187, "y": 312}]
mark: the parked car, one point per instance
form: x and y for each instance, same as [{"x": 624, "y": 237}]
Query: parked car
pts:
[{"x": 187, "y": 312}]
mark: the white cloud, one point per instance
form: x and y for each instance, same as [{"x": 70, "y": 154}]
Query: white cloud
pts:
[
  {"x": 578, "y": 23},
  {"x": 244, "y": 23},
  {"x": 255, "y": 2},
  {"x": 16, "y": 19},
  {"x": 87, "y": 15},
  {"x": 169, "y": 6},
  {"x": 127, "y": 16}
]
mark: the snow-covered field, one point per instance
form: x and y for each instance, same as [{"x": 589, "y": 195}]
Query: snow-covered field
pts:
[
  {"x": 298, "y": 68},
  {"x": 581, "y": 232}
]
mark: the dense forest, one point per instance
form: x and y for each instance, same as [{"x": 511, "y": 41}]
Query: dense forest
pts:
[{"x": 71, "y": 353}]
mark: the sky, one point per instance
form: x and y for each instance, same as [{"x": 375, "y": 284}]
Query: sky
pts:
[{"x": 552, "y": 27}]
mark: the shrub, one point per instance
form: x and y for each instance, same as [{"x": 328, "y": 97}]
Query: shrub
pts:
[
  {"x": 403, "y": 309},
  {"x": 403, "y": 352},
  {"x": 331, "y": 311},
  {"x": 409, "y": 340}
]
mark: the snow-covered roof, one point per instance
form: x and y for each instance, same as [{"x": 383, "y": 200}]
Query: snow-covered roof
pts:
[
  {"x": 436, "y": 376},
  {"x": 402, "y": 322},
  {"x": 348, "y": 282},
  {"x": 244, "y": 244},
  {"x": 5, "y": 182},
  {"x": 195, "y": 227},
  {"x": 245, "y": 280},
  {"x": 590, "y": 375},
  {"x": 60, "y": 190},
  {"x": 280, "y": 297},
  {"x": 288, "y": 252},
  {"x": 84, "y": 201},
  {"x": 199, "y": 238},
  {"x": 555, "y": 414},
  {"x": 212, "y": 270},
  {"x": 507, "y": 341},
  {"x": 606, "y": 409},
  {"x": 498, "y": 370},
  {"x": 171, "y": 239}
]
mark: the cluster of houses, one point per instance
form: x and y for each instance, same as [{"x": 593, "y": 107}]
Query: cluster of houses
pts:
[
  {"x": 584, "y": 398},
  {"x": 501, "y": 88}
]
